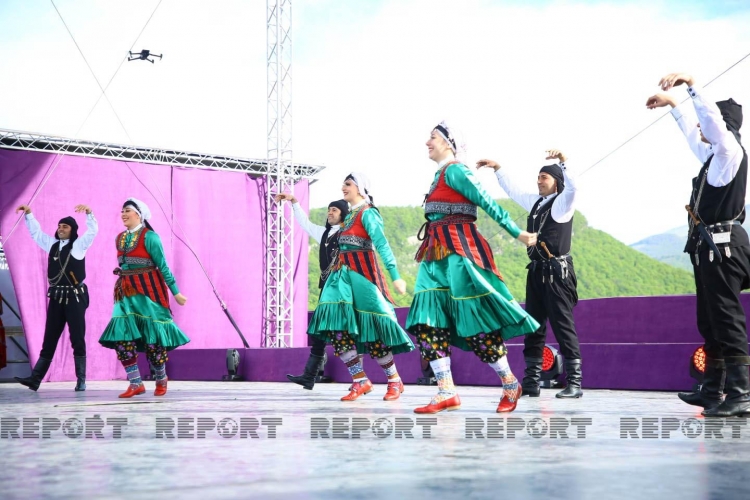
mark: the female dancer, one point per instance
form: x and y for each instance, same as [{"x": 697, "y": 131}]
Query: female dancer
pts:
[
  {"x": 142, "y": 320},
  {"x": 355, "y": 312},
  {"x": 460, "y": 298}
]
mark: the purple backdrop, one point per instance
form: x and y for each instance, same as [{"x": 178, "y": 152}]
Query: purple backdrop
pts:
[{"x": 220, "y": 213}]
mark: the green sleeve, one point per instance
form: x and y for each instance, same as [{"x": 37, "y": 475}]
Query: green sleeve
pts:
[
  {"x": 373, "y": 223},
  {"x": 460, "y": 178},
  {"x": 156, "y": 251}
]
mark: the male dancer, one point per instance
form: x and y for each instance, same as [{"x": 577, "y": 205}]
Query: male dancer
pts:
[
  {"x": 717, "y": 243},
  {"x": 68, "y": 295},
  {"x": 551, "y": 281},
  {"x": 328, "y": 237}
]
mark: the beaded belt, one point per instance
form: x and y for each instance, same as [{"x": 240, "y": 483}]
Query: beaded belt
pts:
[{"x": 132, "y": 272}]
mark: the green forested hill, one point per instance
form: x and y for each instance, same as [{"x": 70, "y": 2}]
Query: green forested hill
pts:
[{"x": 605, "y": 267}]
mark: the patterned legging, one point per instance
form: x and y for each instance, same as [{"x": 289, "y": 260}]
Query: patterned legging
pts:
[
  {"x": 343, "y": 342},
  {"x": 434, "y": 343},
  {"x": 126, "y": 352}
]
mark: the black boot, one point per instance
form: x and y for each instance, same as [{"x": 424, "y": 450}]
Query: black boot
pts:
[
  {"x": 532, "y": 377},
  {"x": 737, "y": 402},
  {"x": 573, "y": 375},
  {"x": 80, "y": 362},
  {"x": 321, "y": 377},
  {"x": 307, "y": 379},
  {"x": 711, "y": 392},
  {"x": 37, "y": 374}
]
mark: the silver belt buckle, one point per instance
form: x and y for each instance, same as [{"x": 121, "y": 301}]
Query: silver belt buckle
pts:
[{"x": 723, "y": 237}]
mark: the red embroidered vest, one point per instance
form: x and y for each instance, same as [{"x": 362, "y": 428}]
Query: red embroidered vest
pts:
[
  {"x": 145, "y": 280},
  {"x": 355, "y": 234},
  {"x": 136, "y": 253},
  {"x": 362, "y": 260},
  {"x": 456, "y": 232},
  {"x": 443, "y": 199}
]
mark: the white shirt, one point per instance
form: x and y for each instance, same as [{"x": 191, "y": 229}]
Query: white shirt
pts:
[
  {"x": 47, "y": 242},
  {"x": 726, "y": 150},
  {"x": 563, "y": 209},
  {"x": 315, "y": 231},
  {"x": 444, "y": 162}
]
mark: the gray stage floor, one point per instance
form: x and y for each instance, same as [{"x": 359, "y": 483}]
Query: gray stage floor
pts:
[{"x": 268, "y": 440}]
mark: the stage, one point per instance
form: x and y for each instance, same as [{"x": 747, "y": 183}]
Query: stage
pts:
[
  {"x": 276, "y": 440},
  {"x": 268, "y": 438}
]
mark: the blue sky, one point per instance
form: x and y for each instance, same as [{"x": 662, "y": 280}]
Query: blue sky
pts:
[{"x": 371, "y": 78}]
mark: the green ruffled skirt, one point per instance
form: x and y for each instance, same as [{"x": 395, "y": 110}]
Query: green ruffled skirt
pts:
[
  {"x": 351, "y": 303},
  {"x": 143, "y": 321},
  {"x": 455, "y": 294}
]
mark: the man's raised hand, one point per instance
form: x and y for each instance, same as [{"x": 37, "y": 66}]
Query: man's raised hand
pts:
[
  {"x": 489, "y": 164},
  {"x": 675, "y": 80},
  {"x": 659, "y": 101},
  {"x": 285, "y": 197},
  {"x": 553, "y": 154}
]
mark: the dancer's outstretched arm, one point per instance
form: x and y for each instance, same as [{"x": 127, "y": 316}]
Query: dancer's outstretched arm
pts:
[
  {"x": 313, "y": 230},
  {"x": 44, "y": 240},
  {"x": 460, "y": 178}
]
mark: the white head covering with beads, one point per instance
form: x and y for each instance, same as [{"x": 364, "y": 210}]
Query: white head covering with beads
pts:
[
  {"x": 141, "y": 209},
  {"x": 363, "y": 183},
  {"x": 454, "y": 138}
]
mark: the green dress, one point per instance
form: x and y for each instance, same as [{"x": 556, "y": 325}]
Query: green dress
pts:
[
  {"x": 137, "y": 317},
  {"x": 455, "y": 293},
  {"x": 351, "y": 301}
]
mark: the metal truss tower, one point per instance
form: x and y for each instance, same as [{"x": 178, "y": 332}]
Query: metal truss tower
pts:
[{"x": 279, "y": 310}]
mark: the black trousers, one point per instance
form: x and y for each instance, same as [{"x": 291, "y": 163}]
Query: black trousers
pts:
[
  {"x": 721, "y": 318},
  {"x": 318, "y": 346},
  {"x": 61, "y": 312},
  {"x": 553, "y": 300}
]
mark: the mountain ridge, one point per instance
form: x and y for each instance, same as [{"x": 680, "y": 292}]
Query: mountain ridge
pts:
[{"x": 605, "y": 267}]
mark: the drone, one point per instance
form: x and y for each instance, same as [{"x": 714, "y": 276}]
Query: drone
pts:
[{"x": 143, "y": 55}]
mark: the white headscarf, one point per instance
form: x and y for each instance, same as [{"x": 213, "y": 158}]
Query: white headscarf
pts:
[
  {"x": 363, "y": 183},
  {"x": 454, "y": 138},
  {"x": 142, "y": 209}
]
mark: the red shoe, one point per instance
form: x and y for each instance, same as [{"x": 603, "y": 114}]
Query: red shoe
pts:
[
  {"x": 394, "y": 391},
  {"x": 506, "y": 405},
  {"x": 449, "y": 404},
  {"x": 133, "y": 392},
  {"x": 161, "y": 387},
  {"x": 357, "y": 389}
]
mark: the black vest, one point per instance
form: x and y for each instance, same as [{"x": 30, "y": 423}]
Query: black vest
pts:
[
  {"x": 55, "y": 263},
  {"x": 329, "y": 250},
  {"x": 719, "y": 204},
  {"x": 555, "y": 235}
]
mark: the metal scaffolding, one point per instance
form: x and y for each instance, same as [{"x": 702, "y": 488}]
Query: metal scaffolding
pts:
[
  {"x": 279, "y": 277},
  {"x": 28, "y": 141}
]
